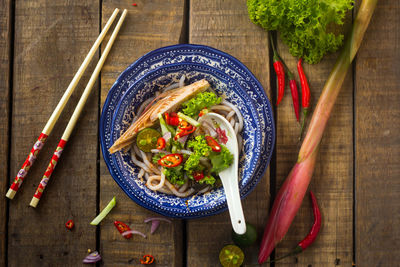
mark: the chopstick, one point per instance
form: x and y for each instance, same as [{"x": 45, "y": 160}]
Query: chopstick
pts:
[
  {"x": 57, "y": 111},
  {"x": 74, "y": 118}
]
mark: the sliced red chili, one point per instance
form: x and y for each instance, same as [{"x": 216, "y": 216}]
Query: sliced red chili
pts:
[
  {"x": 160, "y": 143},
  {"x": 198, "y": 175},
  {"x": 184, "y": 125},
  {"x": 167, "y": 118},
  {"x": 171, "y": 118},
  {"x": 213, "y": 144},
  {"x": 70, "y": 224},
  {"x": 184, "y": 132},
  {"x": 170, "y": 160},
  {"x": 147, "y": 259},
  {"x": 122, "y": 227}
]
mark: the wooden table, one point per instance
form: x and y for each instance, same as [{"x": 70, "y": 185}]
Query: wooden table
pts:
[{"x": 356, "y": 178}]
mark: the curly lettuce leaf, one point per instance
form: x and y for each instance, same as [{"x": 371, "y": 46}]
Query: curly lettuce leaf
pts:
[
  {"x": 302, "y": 24},
  {"x": 175, "y": 175},
  {"x": 220, "y": 160},
  {"x": 203, "y": 100},
  {"x": 200, "y": 149}
]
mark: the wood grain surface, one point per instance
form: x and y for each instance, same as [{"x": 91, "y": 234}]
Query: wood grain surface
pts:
[
  {"x": 377, "y": 128},
  {"x": 51, "y": 41},
  {"x": 5, "y": 67},
  {"x": 225, "y": 25},
  {"x": 332, "y": 180},
  {"x": 149, "y": 25}
]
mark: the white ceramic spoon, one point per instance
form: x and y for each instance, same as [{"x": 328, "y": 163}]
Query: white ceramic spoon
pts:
[{"x": 229, "y": 176}]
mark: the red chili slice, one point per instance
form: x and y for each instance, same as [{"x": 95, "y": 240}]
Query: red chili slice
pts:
[
  {"x": 70, "y": 224},
  {"x": 197, "y": 175},
  {"x": 122, "y": 227},
  {"x": 213, "y": 144},
  {"x": 184, "y": 125},
  {"x": 170, "y": 160},
  {"x": 160, "y": 143},
  {"x": 184, "y": 132},
  {"x": 167, "y": 118},
  {"x": 171, "y": 118},
  {"x": 147, "y": 259}
]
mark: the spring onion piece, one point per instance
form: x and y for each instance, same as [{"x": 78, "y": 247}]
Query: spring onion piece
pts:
[
  {"x": 104, "y": 212},
  {"x": 133, "y": 232},
  {"x": 155, "y": 222},
  {"x": 188, "y": 119},
  {"x": 92, "y": 257}
]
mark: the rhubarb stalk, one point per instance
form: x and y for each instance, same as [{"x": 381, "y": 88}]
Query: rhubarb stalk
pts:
[{"x": 292, "y": 192}]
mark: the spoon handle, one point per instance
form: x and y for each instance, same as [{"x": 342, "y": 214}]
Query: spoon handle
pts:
[{"x": 234, "y": 206}]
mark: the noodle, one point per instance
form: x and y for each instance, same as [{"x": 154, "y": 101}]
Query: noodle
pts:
[
  {"x": 237, "y": 113},
  {"x": 230, "y": 114},
  {"x": 147, "y": 162},
  {"x": 156, "y": 177},
  {"x": 205, "y": 189},
  {"x": 170, "y": 87},
  {"x": 182, "y": 81},
  {"x": 178, "y": 194}
]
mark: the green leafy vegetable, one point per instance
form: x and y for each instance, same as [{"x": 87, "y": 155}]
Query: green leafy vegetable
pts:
[
  {"x": 303, "y": 24},
  {"x": 209, "y": 179},
  {"x": 157, "y": 157},
  {"x": 175, "y": 175},
  {"x": 193, "y": 106},
  {"x": 200, "y": 149},
  {"x": 220, "y": 160}
]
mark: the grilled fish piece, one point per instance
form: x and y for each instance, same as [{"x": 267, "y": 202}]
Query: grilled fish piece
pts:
[{"x": 168, "y": 101}]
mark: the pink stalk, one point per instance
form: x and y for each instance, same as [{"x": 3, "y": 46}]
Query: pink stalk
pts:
[{"x": 291, "y": 194}]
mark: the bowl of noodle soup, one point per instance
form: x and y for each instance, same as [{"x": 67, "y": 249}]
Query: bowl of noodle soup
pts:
[{"x": 168, "y": 67}]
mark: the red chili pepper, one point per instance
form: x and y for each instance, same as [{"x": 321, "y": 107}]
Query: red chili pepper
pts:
[
  {"x": 312, "y": 235},
  {"x": 305, "y": 92},
  {"x": 122, "y": 227},
  {"x": 147, "y": 259},
  {"x": 184, "y": 125},
  {"x": 70, "y": 224},
  {"x": 134, "y": 4},
  {"x": 280, "y": 73},
  {"x": 181, "y": 133},
  {"x": 295, "y": 94},
  {"x": 171, "y": 119},
  {"x": 198, "y": 175},
  {"x": 160, "y": 143},
  {"x": 213, "y": 144},
  {"x": 170, "y": 160}
]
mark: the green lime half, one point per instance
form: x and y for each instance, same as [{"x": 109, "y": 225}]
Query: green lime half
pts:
[
  {"x": 231, "y": 256},
  {"x": 247, "y": 239},
  {"x": 147, "y": 138}
]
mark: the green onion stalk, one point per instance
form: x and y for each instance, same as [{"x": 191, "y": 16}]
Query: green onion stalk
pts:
[{"x": 292, "y": 192}]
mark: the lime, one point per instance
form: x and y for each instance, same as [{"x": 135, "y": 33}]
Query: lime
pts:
[
  {"x": 147, "y": 138},
  {"x": 231, "y": 256},
  {"x": 247, "y": 239}
]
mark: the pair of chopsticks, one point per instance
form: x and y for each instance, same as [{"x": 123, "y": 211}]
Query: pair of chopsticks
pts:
[{"x": 60, "y": 106}]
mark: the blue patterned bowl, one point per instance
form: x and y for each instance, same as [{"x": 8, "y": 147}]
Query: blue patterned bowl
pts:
[{"x": 160, "y": 68}]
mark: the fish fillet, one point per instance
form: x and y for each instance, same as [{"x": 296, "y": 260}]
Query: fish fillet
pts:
[{"x": 168, "y": 102}]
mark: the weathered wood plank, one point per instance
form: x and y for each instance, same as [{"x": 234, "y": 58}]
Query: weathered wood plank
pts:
[
  {"x": 377, "y": 124},
  {"x": 5, "y": 65},
  {"x": 225, "y": 25},
  {"x": 149, "y": 25},
  {"x": 51, "y": 41},
  {"x": 332, "y": 181}
]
